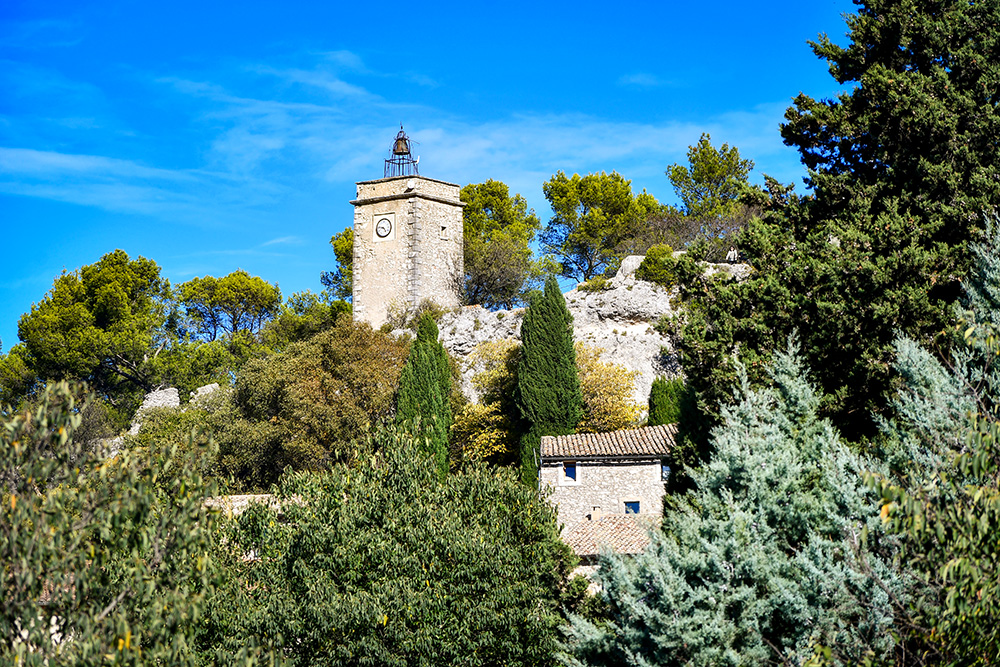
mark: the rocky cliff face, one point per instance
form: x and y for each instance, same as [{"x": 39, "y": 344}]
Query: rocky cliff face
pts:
[{"x": 619, "y": 320}]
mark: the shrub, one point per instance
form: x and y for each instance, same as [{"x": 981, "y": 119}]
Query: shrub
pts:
[
  {"x": 665, "y": 399},
  {"x": 307, "y": 407},
  {"x": 381, "y": 563},
  {"x": 607, "y": 392},
  {"x": 595, "y": 284},
  {"x": 102, "y": 563},
  {"x": 658, "y": 266}
]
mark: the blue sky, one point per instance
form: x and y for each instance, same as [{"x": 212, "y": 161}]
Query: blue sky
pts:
[{"x": 212, "y": 136}]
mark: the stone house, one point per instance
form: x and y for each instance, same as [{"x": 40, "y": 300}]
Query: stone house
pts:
[{"x": 607, "y": 487}]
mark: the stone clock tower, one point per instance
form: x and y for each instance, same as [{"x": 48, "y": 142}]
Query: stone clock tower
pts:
[{"x": 408, "y": 241}]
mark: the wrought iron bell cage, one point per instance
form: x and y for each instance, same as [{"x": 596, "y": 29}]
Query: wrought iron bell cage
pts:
[{"x": 401, "y": 162}]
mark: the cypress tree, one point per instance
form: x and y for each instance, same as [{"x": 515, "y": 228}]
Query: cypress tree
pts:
[
  {"x": 425, "y": 390},
  {"x": 665, "y": 398},
  {"x": 549, "y": 393}
]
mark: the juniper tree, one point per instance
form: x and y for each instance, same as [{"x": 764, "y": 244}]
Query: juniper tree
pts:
[
  {"x": 902, "y": 164},
  {"x": 425, "y": 391},
  {"x": 549, "y": 395},
  {"x": 767, "y": 560},
  {"x": 945, "y": 499}
]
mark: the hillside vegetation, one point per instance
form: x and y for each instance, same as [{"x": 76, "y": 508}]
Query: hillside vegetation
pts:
[{"x": 835, "y": 496}]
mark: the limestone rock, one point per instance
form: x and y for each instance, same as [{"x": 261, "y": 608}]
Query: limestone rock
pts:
[
  {"x": 738, "y": 271},
  {"x": 201, "y": 396},
  {"x": 619, "y": 320},
  {"x": 463, "y": 329},
  {"x": 161, "y": 398}
]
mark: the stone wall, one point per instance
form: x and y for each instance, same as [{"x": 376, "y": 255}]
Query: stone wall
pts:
[
  {"x": 607, "y": 485},
  {"x": 421, "y": 259}
]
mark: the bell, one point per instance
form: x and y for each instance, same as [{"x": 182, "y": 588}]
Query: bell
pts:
[{"x": 402, "y": 146}]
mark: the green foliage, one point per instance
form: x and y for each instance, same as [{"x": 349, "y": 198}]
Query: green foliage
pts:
[
  {"x": 99, "y": 563},
  {"x": 950, "y": 524},
  {"x": 945, "y": 501},
  {"x": 340, "y": 284},
  {"x": 592, "y": 216},
  {"x": 309, "y": 406},
  {"x": 498, "y": 230},
  {"x": 225, "y": 306},
  {"x": 189, "y": 364},
  {"x": 595, "y": 284},
  {"x": 549, "y": 394},
  {"x": 188, "y": 431},
  {"x": 710, "y": 186},
  {"x": 303, "y": 316},
  {"x": 100, "y": 324},
  {"x": 491, "y": 430},
  {"x": 665, "y": 398},
  {"x": 767, "y": 558},
  {"x": 425, "y": 392},
  {"x": 17, "y": 380},
  {"x": 658, "y": 266},
  {"x": 384, "y": 563},
  {"x": 903, "y": 166}
]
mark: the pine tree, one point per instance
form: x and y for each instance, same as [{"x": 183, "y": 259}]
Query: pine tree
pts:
[
  {"x": 768, "y": 558},
  {"x": 425, "y": 391},
  {"x": 549, "y": 393}
]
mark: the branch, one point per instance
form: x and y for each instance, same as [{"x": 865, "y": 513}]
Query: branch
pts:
[{"x": 114, "y": 603}]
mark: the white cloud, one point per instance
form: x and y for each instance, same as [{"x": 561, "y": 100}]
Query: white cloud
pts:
[
  {"x": 260, "y": 150},
  {"x": 283, "y": 240},
  {"x": 40, "y": 34},
  {"x": 641, "y": 79},
  {"x": 27, "y": 161}
]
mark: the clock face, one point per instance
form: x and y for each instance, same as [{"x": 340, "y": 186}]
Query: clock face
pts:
[{"x": 383, "y": 227}]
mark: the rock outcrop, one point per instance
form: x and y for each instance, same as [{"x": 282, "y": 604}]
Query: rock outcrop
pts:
[
  {"x": 162, "y": 398},
  {"x": 619, "y": 319},
  {"x": 202, "y": 397}
]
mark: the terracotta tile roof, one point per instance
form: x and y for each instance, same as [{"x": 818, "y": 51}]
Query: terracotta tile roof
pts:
[
  {"x": 645, "y": 441},
  {"x": 622, "y": 533}
]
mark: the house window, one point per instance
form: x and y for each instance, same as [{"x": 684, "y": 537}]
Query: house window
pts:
[
  {"x": 631, "y": 507},
  {"x": 664, "y": 471},
  {"x": 569, "y": 472}
]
